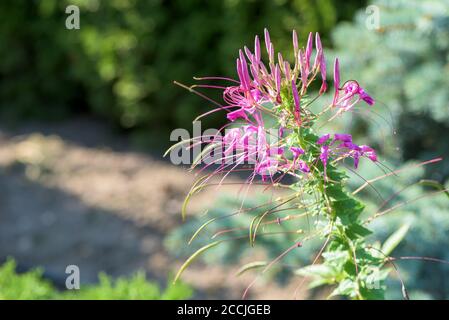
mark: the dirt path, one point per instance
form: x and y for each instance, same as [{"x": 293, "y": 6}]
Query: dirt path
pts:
[{"x": 73, "y": 193}]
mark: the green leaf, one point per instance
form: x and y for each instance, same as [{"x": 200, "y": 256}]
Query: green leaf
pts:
[
  {"x": 377, "y": 275},
  {"x": 345, "y": 288},
  {"x": 348, "y": 207},
  {"x": 335, "y": 192},
  {"x": 320, "y": 270},
  {"x": 358, "y": 230},
  {"x": 372, "y": 293},
  {"x": 335, "y": 256}
]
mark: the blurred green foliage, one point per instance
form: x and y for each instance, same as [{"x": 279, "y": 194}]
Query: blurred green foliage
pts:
[
  {"x": 31, "y": 286},
  {"x": 404, "y": 64},
  {"x": 121, "y": 63}
]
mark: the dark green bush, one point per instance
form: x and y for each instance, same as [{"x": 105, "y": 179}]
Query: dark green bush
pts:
[{"x": 121, "y": 63}]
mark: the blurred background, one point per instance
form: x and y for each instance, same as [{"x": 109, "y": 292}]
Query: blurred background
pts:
[{"x": 85, "y": 116}]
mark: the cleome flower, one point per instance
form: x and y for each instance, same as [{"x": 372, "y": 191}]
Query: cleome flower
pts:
[
  {"x": 270, "y": 132},
  {"x": 278, "y": 90},
  {"x": 351, "y": 92},
  {"x": 341, "y": 146}
]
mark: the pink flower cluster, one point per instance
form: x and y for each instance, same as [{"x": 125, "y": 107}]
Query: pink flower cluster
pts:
[
  {"x": 249, "y": 144},
  {"x": 277, "y": 90},
  {"x": 259, "y": 84},
  {"x": 352, "y": 92},
  {"x": 341, "y": 146}
]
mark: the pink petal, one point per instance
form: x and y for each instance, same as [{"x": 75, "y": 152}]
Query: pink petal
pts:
[
  {"x": 257, "y": 49},
  {"x": 297, "y": 102},
  {"x": 309, "y": 49},
  {"x": 323, "y": 139},
  {"x": 295, "y": 41},
  {"x": 267, "y": 40},
  {"x": 296, "y": 152},
  {"x": 336, "y": 80},
  {"x": 234, "y": 115}
]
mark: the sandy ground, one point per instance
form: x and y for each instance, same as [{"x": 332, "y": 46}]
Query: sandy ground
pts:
[{"x": 74, "y": 193}]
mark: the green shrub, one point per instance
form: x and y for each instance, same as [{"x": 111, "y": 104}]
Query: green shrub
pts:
[
  {"x": 32, "y": 286},
  {"x": 121, "y": 63},
  {"x": 29, "y": 285}
]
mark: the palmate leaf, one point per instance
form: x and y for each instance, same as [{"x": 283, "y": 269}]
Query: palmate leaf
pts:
[
  {"x": 356, "y": 229},
  {"x": 318, "y": 270},
  {"x": 345, "y": 288},
  {"x": 347, "y": 208}
]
